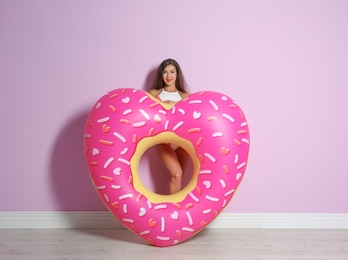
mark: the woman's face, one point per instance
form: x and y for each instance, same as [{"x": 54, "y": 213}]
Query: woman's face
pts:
[{"x": 169, "y": 75}]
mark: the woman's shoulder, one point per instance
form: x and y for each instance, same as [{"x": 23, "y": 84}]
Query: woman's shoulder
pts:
[
  {"x": 155, "y": 92},
  {"x": 183, "y": 94}
]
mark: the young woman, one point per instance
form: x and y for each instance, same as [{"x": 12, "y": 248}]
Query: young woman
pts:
[{"x": 169, "y": 86}]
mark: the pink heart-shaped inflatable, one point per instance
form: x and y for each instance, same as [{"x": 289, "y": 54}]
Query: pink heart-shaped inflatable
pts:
[{"x": 210, "y": 126}]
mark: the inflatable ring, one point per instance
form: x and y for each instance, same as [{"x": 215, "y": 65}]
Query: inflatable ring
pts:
[{"x": 124, "y": 123}]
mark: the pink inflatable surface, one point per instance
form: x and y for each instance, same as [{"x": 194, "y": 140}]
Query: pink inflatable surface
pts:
[{"x": 126, "y": 122}]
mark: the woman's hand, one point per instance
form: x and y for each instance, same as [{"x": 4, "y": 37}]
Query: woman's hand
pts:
[{"x": 170, "y": 102}]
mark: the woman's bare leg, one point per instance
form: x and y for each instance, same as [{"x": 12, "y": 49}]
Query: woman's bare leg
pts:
[
  {"x": 182, "y": 157},
  {"x": 173, "y": 163}
]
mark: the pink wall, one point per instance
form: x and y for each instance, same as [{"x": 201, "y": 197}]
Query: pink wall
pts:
[{"x": 284, "y": 62}]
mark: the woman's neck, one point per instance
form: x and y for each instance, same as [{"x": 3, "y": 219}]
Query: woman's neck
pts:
[{"x": 171, "y": 88}]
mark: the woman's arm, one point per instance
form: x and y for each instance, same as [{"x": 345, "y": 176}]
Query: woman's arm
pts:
[
  {"x": 154, "y": 92},
  {"x": 183, "y": 95}
]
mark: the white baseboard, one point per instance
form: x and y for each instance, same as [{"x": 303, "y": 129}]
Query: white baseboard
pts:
[{"x": 104, "y": 219}]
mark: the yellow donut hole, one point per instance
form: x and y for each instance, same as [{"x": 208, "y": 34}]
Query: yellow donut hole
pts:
[{"x": 148, "y": 142}]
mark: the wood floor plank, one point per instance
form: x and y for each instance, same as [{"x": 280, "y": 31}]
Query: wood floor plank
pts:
[{"x": 219, "y": 244}]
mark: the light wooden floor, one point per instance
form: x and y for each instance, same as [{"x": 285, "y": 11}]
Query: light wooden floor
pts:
[{"x": 216, "y": 244}]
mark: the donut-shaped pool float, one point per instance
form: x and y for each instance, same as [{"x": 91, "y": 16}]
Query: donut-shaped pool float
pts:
[{"x": 126, "y": 122}]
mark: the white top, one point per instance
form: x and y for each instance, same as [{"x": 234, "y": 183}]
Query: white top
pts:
[{"x": 173, "y": 96}]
